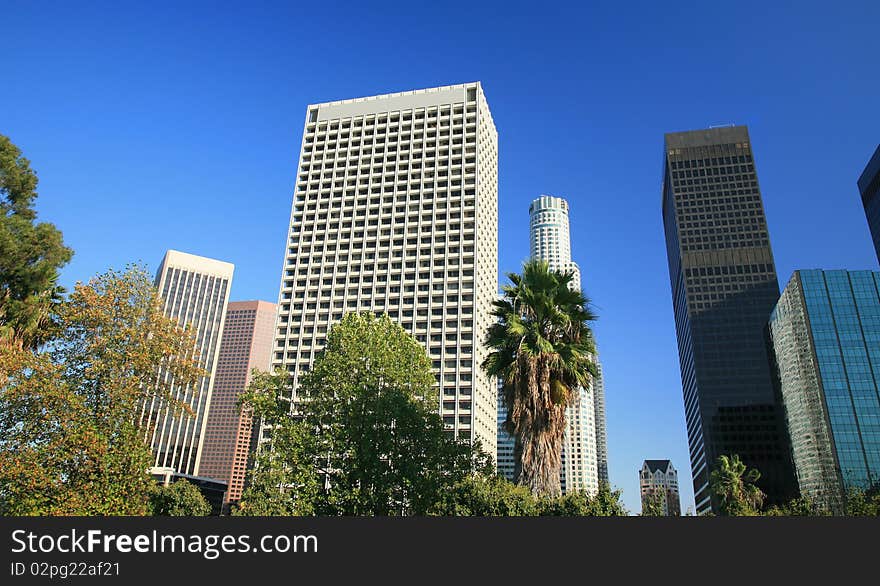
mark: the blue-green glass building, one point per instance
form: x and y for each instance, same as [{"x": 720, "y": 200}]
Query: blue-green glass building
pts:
[{"x": 825, "y": 337}]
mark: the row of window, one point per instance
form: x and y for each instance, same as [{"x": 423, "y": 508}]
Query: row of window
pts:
[
  {"x": 711, "y": 161},
  {"x": 386, "y": 117}
]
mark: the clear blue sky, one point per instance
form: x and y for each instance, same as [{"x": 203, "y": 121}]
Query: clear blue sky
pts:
[{"x": 156, "y": 126}]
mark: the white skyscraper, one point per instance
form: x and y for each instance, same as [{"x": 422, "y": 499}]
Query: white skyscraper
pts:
[
  {"x": 550, "y": 240},
  {"x": 395, "y": 210},
  {"x": 195, "y": 291}
]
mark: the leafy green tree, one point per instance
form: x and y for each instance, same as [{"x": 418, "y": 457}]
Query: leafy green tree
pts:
[
  {"x": 485, "y": 495},
  {"x": 652, "y": 505},
  {"x": 364, "y": 439},
  {"x": 178, "y": 499},
  {"x": 482, "y": 495},
  {"x": 542, "y": 350},
  {"x": 863, "y": 503},
  {"x": 605, "y": 503},
  {"x": 284, "y": 480},
  {"x": 734, "y": 487},
  {"x": 71, "y": 438},
  {"x": 802, "y": 506},
  {"x": 30, "y": 255}
]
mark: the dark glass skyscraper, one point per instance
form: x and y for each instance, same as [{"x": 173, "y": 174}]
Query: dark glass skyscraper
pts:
[
  {"x": 723, "y": 288},
  {"x": 869, "y": 187}
]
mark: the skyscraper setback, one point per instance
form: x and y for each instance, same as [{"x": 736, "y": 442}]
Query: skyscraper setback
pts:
[
  {"x": 248, "y": 333},
  {"x": 550, "y": 241},
  {"x": 724, "y": 286},
  {"x": 395, "y": 211},
  {"x": 195, "y": 291},
  {"x": 869, "y": 188}
]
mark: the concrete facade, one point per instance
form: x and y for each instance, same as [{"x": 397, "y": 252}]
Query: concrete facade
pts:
[
  {"x": 395, "y": 211},
  {"x": 195, "y": 291}
]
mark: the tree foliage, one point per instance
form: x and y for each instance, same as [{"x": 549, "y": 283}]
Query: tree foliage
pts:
[
  {"x": 30, "y": 255},
  {"x": 484, "y": 495},
  {"x": 605, "y": 503},
  {"x": 365, "y": 437},
  {"x": 802, "y": 506},
  {"x": 734, "y": 487},
  {"x": 542, "y": 350},
  {"x": 178, "y": 499},
  {"x": 284, "y": 480},
  {"x": 71, "y": 438},
  {"x": 863, "y": 503},
  {"x": 653, "y": 504}
]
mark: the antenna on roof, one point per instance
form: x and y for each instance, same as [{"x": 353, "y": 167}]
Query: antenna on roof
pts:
[{"x": 728, "y": 125}]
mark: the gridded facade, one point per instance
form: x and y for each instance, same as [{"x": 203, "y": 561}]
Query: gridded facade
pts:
[
  {"x": 601, "y": 431},
  {"x": 579, "y": 470},
  {"x": 506, "y": 444},
  {"x": 549, "y": 234},
  {"x": 724, "y": 286},
  {"x": 396, "y": 211},
  {"x": 550, "y": 240},
  {"x": 195, "y": 291},
  {"x": 248, "y": 334},
  {"x": 869, "y": 187},
  {"x": 660, "y": 477},
  {"x": 825, "y": 332}
]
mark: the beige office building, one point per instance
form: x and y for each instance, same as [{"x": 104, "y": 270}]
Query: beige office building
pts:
[
  {"x": 195, "y": 291},
  {"x": 247, "y": 345},
  {"x": 395, "y": 210}
]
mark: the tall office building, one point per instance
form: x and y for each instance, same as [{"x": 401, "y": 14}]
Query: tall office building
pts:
[
  {"x": 550, "y": 240},
  {"x": 505, "y": 459},
  {"x": 395, "y": 210},
  {"x": 601, "y": 432},
  {"x": 825, "y": 333},
  {"x": 195, "y": 291},
  {"x": 869, "y": 187},
  {"x": 248, "y": 334},
  {"x": 550, "y": 235},
  {"x": 723, "y": 288},
  {"x": 579, "y": 469},
  {"x": 659, "y": 477}
]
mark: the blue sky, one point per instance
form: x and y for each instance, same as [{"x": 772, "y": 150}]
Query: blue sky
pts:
[{"x": 157, "y": 125}]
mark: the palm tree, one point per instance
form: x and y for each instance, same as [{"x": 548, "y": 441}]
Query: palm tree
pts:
[
  {"x": 734, "y": 487},
  {"x": 542, "y": 350},
  {"x": 30, "y": 322}
]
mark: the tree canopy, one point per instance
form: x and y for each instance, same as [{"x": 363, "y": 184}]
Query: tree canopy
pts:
[
  {"x": 733, "y": 484},
  {"x": 364, "y": 438},
  {"x": 30, "y": 255},
  {"x": 178, "y": 499},
  {"x": 71, "y": 438}
]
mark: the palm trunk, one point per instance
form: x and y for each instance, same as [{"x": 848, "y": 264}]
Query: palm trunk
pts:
[{"x": 540, "y": 429}]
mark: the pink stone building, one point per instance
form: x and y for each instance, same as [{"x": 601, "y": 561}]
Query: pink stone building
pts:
[{"x": 246, "y": 344}]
